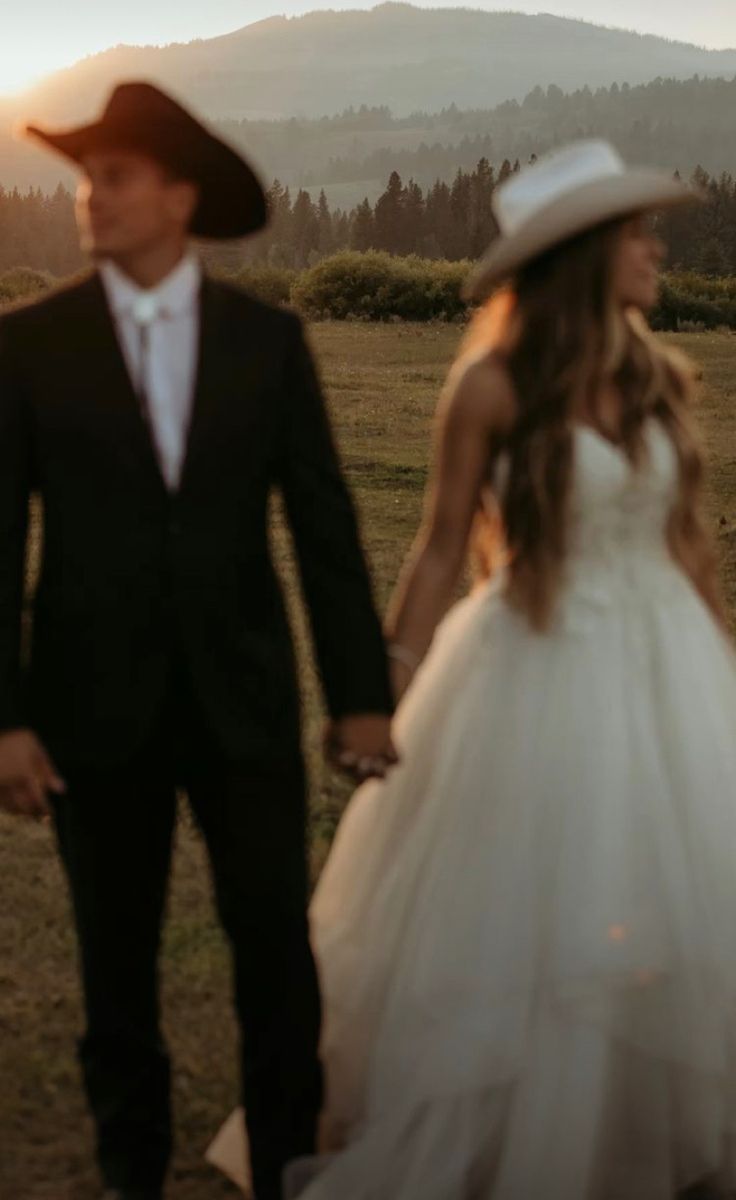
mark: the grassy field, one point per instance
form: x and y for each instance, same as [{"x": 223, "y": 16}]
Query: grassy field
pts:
[{"x": 382, "y": 383}]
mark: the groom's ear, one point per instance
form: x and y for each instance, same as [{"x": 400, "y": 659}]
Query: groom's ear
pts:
[{"x": 184, "y": 196}]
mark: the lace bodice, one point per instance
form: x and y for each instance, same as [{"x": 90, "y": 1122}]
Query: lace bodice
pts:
[
  {"x": 617, "y": 543},
  {"x": 619, "y": 510}
]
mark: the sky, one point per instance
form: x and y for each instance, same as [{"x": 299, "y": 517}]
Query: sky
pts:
[{"x": 42, "y": 35}]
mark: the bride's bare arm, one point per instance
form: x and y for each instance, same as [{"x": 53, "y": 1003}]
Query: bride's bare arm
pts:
[{"x": 476, "y": 407}]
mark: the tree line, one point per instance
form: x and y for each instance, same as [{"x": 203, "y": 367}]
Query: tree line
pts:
[
  {"x": 38, "y": 230},
  {"x": 451, "y": 221}
]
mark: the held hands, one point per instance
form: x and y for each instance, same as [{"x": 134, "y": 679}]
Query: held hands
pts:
[
  {"x": 361, "y": 745},
  {"x": 27, "y": 775}
]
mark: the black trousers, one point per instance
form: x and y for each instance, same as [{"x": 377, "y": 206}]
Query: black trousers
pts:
[{"x": 115, "y": 835}]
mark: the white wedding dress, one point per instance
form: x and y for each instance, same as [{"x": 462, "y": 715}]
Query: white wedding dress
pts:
[{"x": 527, "y": 934}]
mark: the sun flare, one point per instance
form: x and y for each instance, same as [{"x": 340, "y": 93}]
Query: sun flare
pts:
[{"x": 19, "y": 72}]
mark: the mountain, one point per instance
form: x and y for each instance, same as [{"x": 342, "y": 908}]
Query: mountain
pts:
[{"x": 405, "y": 58}]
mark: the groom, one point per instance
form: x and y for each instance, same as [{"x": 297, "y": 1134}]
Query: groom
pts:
[{"x": 154, "y": 410}]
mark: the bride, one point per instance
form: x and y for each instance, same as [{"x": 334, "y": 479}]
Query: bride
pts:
[{"x": 527, "y": 933}]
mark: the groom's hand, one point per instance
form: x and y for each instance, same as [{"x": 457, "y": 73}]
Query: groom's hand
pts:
[
  {"x": 361, "y": 745},
  {"x": 27, "y": 774}
]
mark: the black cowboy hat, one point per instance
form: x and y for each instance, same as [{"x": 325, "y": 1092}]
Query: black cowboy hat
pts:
[{"x": 140, "y": 117}]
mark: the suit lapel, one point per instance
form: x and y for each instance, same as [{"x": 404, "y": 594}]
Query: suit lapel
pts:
[
  {"x": 100, "y": 334},
  {"x": 213, "y": 377}
]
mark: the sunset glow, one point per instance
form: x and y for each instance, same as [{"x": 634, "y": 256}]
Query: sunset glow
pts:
[{"x": 18, "y": 72}]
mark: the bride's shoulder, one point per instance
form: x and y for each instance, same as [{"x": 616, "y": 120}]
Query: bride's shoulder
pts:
[{"x": 480, "y": 389}]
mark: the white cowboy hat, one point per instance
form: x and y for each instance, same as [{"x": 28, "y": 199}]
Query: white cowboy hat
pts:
[{"x": 563, "y": 194}]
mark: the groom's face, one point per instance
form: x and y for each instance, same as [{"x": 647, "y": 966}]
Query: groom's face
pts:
[{"x": 128, "y": 204}]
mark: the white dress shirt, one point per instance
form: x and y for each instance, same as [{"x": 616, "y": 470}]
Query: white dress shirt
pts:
[{"x": 171, "y": 313}]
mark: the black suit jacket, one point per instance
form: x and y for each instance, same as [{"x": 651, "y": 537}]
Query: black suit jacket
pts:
[{"x": 131, "y": 575}]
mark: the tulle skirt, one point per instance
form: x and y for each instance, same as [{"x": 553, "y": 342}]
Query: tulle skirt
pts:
[{"x": 527, "y": 934}]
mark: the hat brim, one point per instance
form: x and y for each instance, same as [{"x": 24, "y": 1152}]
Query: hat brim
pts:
[
  {"x": 638, "y": 190},
  {"x": 232, "y": 201}
]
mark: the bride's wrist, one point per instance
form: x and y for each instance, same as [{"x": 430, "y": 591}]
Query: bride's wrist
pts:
[{"x": 404, "y": 655}]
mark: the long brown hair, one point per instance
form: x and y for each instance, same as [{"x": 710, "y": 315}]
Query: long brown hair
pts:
[{"x": 561, "y": 336}]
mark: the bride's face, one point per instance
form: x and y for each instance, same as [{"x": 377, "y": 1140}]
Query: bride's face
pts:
[{"x": 637, "y": 259}]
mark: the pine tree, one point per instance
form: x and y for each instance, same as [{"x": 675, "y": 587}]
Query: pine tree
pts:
[
  {"x": 389, "y": 217},
  {"x": 305, "y": 230},
  {"x": 363, "y": 231},
  {"x": 460, "y": 206},
  {"x": 341, "y": 223},
  {"x": 325, "y": 230},
  {"x": 439, "y": 223},
  {"x": 413, "y": 219},
  {"x": 480, "y": 217},
  {"x": 273, "y": 245}
]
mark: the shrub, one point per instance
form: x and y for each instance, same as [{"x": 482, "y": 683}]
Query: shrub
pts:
[
  {"x": 271, "y": 284},
  {"x": 23, "y": 281},
  {"x": 690, "y": 301},
  {"x": 375, "y": 286},
  {"x": 690, "y": 327}
]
